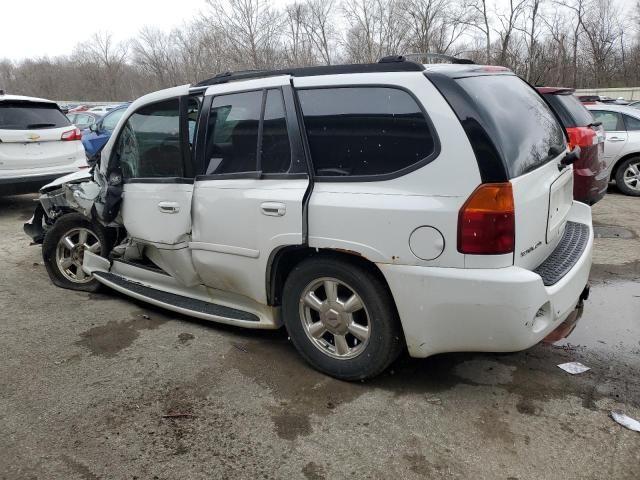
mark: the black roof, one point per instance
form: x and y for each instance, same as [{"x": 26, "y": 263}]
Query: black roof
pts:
[{"x": 387, "y": 64}]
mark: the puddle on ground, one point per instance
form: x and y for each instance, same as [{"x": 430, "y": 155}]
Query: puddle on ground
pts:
[
  {"x": 612, "y": 231},
  {"x": 611, "y": 318},
  {"x": 109, "y": 339}
]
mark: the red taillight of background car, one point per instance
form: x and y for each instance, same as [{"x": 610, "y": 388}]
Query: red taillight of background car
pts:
[
  {"x": 486, "y": 221},
  {"x": 74, "y": 134},
  {"x": 581, "y": 137}
]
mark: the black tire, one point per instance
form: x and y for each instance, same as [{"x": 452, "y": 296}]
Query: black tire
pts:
[
  {"x": 385, "y": 341},
  {"x": 61, "y": 228},
  {"x": 620, "y": 183}
]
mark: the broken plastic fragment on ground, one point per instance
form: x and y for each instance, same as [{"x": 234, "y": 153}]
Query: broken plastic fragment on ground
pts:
[
  {"x": 574, "y": 367},
  {"x": 626, "y": 421}
]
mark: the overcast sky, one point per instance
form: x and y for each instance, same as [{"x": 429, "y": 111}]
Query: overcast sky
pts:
[{"x": 36, "y": 28}]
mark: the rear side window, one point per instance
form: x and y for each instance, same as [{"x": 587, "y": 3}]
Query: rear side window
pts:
[
  {"x": 632, "y": 123},
  {"x": 31, "y": 116},
  {"x": 611, "y": 121},
  {"x": 364, "y": 131},
  {"x": 571, "y": 112},
  {"x": 519, "y": 121}
]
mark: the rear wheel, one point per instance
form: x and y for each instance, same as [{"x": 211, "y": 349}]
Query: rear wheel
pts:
[
  {"x": 628, "y": 176},
  {"x": 341, "y": 319},
  {"x": 63, "y": 251}
]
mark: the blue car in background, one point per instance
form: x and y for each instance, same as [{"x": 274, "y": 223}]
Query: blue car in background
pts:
[{"x": 94, "y": 137}]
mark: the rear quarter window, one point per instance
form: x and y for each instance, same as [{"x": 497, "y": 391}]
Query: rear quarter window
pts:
[
  {"x": 31, "y": 116},
  {"x": 519, "y": 122},
  {"x": 365, "y": 132}
]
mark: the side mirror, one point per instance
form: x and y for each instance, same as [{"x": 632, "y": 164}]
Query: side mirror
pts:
[{"x": 94, "y": 127}]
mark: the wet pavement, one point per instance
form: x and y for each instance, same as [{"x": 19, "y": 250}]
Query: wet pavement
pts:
[{"x": 97, "y": 386}]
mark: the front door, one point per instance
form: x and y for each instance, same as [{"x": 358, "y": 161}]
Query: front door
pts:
[
  {"x": 248, "y": 201},
  {"x": 153, "y": 154}
]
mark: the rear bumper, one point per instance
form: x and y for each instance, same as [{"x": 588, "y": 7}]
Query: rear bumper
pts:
[
  {"x": 589, "y": 189},
  {"x": 502, "y": 309}
]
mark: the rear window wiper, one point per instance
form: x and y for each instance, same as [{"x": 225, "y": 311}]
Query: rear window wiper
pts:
[
  {"x": 40, "y": 125},
  {"x": 594, "y": 124}
]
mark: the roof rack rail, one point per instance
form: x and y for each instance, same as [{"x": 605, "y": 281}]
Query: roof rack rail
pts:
[
  {"x": 439, "y": 56},
  {"x": 387, "y": 66}
]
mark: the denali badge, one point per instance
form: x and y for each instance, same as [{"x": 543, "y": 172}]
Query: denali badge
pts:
[{"x": 530, "y": 249}]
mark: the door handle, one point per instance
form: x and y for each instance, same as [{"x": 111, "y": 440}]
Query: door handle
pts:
[
  {"x": 169, "y": 207},
  {"x": 616, "y": 139},
  {"x": 273, "y": 209}
]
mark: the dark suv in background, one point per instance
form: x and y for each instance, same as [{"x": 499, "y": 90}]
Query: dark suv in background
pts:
[{"x": 590, "y": 171}]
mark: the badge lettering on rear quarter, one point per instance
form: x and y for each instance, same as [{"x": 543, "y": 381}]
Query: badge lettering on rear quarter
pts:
[{"x": 530, "y": 249}]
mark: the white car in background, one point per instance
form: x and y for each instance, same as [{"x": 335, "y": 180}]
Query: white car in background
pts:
[
  {"x": 102, "y": 109},
  {"x": 622, "y": 145},
  {"x": 37, "y": 144}
]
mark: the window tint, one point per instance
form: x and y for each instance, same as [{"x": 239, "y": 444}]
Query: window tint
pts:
[
  {"x": 149, "y": 143},
  {"x": 275, "y": 152},
  {"x": 520, "y": 123},
  {"x": 232, "y": 133},
  {"x": 110, "y": 121},
  {"x": 632, "y": 123},
  {"x": 611, "y": 121},
  {"x": 31, "y": 116},
  {"x": 358, "y": 131}
]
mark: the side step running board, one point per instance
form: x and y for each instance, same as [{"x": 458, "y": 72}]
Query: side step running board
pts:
[{"x": 178, "y": 303}]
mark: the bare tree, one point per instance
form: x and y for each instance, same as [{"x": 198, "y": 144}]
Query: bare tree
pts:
[
  {"x": 479, "y": 19},
  {"x": 320, "y": 27},
  {"x": 252, "y": 28},
  {"x": 154, "y": 51},
  {"x": 508, "y": 20}
]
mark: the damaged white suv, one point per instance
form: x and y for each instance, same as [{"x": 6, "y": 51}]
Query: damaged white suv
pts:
[{"x": 369, "y": 208}]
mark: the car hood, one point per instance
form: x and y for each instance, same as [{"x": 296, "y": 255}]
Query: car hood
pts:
[{"x": 75, "y": 177}]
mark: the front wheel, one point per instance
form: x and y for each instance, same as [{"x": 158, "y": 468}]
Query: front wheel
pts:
[
  {"x": 341, "y": 319},
  {"x": 63, "y": 251},
  {"x": 628, "y": 176}
]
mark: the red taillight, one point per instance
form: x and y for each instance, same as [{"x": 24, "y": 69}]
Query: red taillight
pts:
[
  {"x": 581, "y": 137},
  {"x": 486, "y": 222},
  {"x": 74, "y": 134}
]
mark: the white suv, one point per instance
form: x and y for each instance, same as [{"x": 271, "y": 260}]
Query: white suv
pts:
[
  {"x": 369, "y": 208},
  {"x": 37, "y": 144}
]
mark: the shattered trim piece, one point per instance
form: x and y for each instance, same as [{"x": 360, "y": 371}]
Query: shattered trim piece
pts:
[
  {"x": 574, "y": 368},
  {"x": 625, "y": 421}
]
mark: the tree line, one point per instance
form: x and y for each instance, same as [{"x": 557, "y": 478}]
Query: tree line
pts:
[{"x": 575, "y": 43}]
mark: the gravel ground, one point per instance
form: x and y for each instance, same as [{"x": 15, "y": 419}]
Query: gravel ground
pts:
[{"x": 97, "y": 386}]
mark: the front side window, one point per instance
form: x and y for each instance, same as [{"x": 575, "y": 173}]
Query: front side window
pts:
[
  {"x": 149, "y": 143},
  {"x": 364, "y": 131},
  {"x": 611, "y": 121}
]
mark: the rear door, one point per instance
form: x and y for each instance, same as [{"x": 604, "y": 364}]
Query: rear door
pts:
[
  {"x": 30, "y": 136},
  {"x": 530, "y": 142},
  {"x": 616, "y": 133},
  {"x": 248, "y": 201}
]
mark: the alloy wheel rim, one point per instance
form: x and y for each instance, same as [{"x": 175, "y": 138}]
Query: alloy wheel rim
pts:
[
  {"x": 70, "y": 253},
  {"x": 632, "y": 176},
  {"x": 335, "y": 318}
]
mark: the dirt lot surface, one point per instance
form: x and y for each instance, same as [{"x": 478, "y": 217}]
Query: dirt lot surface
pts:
[{"x": 97, "y": 386}]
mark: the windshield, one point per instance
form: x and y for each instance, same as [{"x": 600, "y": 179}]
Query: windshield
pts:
[
  {"x": 519, "y": 121},
  {"x": 31, "y": 116}
]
